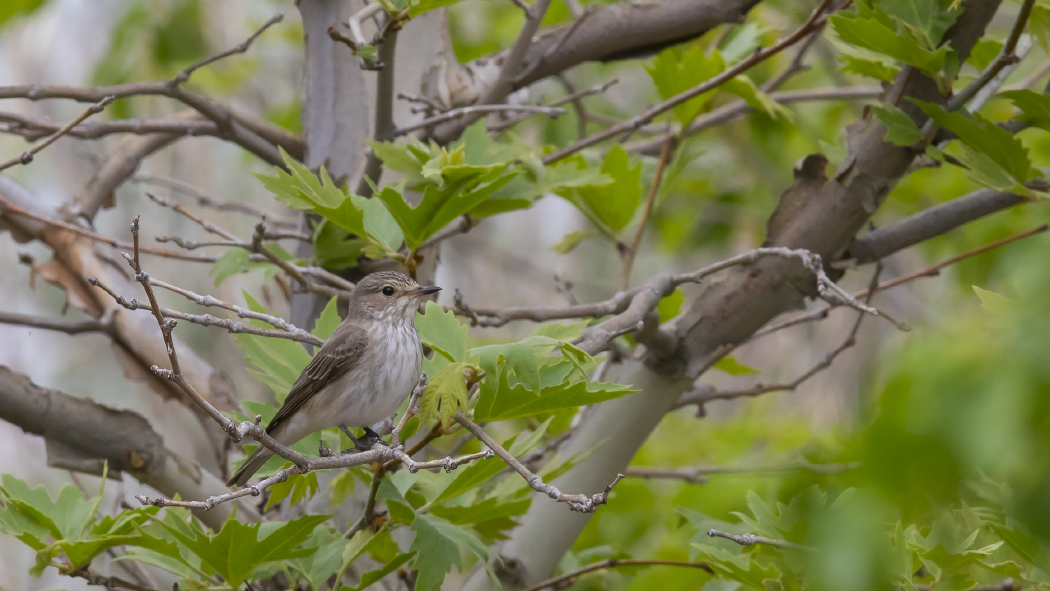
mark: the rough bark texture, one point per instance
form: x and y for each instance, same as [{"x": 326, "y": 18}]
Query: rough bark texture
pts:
[
  {"x": 83, "y": 435},
  {"x": 627, "y": 30},
  {"x": 134, "y": 334},
  {"x": 724, "y": 314},
  {"x": 929, "y": 223},
  {"x": 611, "y": 32}
]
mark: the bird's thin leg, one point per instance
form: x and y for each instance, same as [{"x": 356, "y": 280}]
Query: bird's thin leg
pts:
[
  {"x": 364, "y": 443},
  {"x": 354, "y": 440},
  {"x": 322, "y": 449},
  {"x": 371, "y": 438}
]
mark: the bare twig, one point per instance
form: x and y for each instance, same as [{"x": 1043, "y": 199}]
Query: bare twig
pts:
[
  {"x": 575, "y": 97},
  {"x": 578, "y": 502},
  {"x": 632, "y": 251},
  {"x": 562, "y": 581},
  {"x": 931, "y": 271},
  {"x": 428, "y": 103},
  {"x": 751, "y": 539},
  {"x": 461, "y": 112},
  {"x": 232, "y": 326},
  {"x": 27, "y": 156},
  {"x": 508, "y": 71},
  {"x": 934, "y": 270},
  {"x": 355, "y": 20},
  {"x": 212, "y": 301},
  {"x": 697, "y": 474},
  {"x": 9, "y": 208},
  {"x": 70, "y": 328},
  {"x": 258, "y": 137},
  {"x": 631, "y": 306},
  {"x": 208, "y": 226},
  {"x": 1006, "y": 57},
  {"x": 466, "y": 224},
  {"x": 410, "y": 410},
  {"x": 31, "y": 128},
  {"x": 242, "y": 47},
  {"x": 563, "y": 36},
  {"x": 379, "y": 452},
  {"x": 816, "y": 19},
  {"x": 205, "y": 200},
  {"x": 736, "y": 109},
  {"x": 330, "y": 277}
]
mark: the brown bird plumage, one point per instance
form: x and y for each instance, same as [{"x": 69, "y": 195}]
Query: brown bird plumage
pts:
[{"x": 363, "y": 371}]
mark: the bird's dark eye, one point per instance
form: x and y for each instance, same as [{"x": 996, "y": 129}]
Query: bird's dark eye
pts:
[{"x": 388, "y": 291}]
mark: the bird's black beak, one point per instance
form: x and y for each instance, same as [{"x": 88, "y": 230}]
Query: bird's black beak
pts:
[{"x": 426, "y": 290}]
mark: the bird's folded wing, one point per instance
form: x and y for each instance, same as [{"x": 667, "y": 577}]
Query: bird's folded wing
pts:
[{"x": 339, "y": 353}]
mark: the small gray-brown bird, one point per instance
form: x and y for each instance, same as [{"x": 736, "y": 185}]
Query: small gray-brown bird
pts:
[{"x": 361, "y": 374}]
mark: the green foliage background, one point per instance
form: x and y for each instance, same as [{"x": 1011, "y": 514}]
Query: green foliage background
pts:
[{"x": 948, "y": 444}]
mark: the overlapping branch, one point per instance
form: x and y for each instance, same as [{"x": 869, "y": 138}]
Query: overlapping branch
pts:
[
  {"x": 256, "y": 136},
  {"x": 27, "y": 156},
  {"x": 930, "y": 271},
  {"x": 577, "y": 502},
  {"x": 816, "y": 19},
  {"x": 83, "y": 435}
]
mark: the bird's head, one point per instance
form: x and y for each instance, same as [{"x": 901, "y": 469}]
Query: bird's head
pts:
[{"x": 388, "y": 295}]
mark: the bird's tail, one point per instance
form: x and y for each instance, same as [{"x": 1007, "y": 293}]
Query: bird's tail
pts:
[{"x": 250, "y": 467}]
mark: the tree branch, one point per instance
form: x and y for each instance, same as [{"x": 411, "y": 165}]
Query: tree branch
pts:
[
  {"x": 83, "y": 435},
  {"x": 740, "y": 108},
  {"x": 931, "y": 271},
  {"x": 751, "y": 539},
  {"x": 929, "y": 223},
  {"x": 242, "y": 47},
  {"x": 577, "y": 502},
  {"x": 623, "y": 30},
  {"x": 697, "y": 474},
  {"x": 816, "y": 19},
  {"x": 70, "y": 328},
  {"x": 561, "y": 581},
  {"x": 511, "y": 64},
  {"x": 27, "y": 156}
]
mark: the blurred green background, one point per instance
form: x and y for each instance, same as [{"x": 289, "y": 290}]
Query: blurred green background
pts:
[{"x": 943, "y": 432}]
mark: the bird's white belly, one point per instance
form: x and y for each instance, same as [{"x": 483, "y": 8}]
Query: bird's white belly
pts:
[{"x": 380, "y": 382}]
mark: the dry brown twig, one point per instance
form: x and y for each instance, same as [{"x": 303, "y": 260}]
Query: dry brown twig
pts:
[
  {"x": 231, "y": 326},
  {"x": 459, "y": 113},
  {"x": 816, "y": 19},
  {"x": 27, "y": 156},
  {"x": 255, "y": 135}
]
